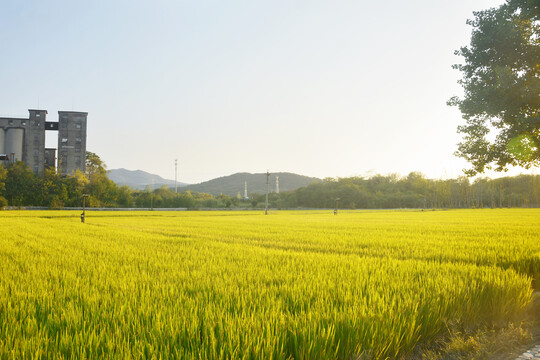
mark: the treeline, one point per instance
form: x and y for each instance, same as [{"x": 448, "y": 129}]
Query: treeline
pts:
[
  {"x": 415, "y": 191},
  {"x": 20, "y": 187}
]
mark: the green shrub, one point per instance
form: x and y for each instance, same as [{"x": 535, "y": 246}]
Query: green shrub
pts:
[{"x": 3, "y": 202}]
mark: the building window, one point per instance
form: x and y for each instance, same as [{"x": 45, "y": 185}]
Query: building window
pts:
[
  {"x": 64, "y": 140},
  {"x": 78, "y": 126},
  {"x": 38, "y": 114},
  {"x": 35, "y": 168},
  {"x": 10, "y": 122},
  {"x": 23, "y": 123},
  {"x": 36, "y": 152},
  {"x": 78, "y": 140}
]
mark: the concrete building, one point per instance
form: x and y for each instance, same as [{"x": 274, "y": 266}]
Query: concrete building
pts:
[
  {"x": 71, "y": 141},
  {"x": 24, "y": 140}
]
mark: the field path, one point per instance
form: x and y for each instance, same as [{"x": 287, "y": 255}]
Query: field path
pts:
[
  {"x": 534, "y": 353},
  {"x": 531, "y": 350}
]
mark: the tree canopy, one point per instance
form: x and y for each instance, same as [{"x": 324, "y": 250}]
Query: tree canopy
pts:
[
  {"x": 94, "y": 165},
  {"x": 19, "y": 186},
  {"x": 501, "y": 81}
]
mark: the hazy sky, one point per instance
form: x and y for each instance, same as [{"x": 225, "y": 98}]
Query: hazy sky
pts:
[{"x": 320, "y": 88}]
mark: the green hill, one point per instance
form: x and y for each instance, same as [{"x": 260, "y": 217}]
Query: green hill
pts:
[
  {"x": 256, "y": 183},
  {"x": 139, "y": 180}
]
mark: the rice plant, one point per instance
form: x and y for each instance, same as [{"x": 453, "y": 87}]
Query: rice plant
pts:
[{"x": 241, "y": 285}]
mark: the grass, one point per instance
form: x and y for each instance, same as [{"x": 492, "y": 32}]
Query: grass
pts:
[
  {"x": 303, "y": 285},
  {"x": 482, "y": 342}
]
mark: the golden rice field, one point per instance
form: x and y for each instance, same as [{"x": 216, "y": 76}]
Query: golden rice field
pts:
[{"x": 235, "y": 285}]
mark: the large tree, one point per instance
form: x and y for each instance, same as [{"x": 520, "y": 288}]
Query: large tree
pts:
[
  {"x": 94, "y": 165},
  {"x": 21, "y": 186},
  {"x": 501, "y": 81},
  {"x": 102, "y": 190}
]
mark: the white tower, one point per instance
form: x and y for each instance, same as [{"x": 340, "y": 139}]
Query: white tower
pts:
[
  {"x": 245, "y": 190},
  {"x": 277, "y": 184},
  {"x": 175, "y": 175}
]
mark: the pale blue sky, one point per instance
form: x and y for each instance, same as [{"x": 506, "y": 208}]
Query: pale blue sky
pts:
[{"x": 320, "y": 88}]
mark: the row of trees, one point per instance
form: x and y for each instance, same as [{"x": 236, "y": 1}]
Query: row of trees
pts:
[
  {"x": 414, "y": 191},
  {"x": 20, "y": 187}
]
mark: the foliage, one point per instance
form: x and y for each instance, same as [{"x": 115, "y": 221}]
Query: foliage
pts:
[
  {"x": 3, "y": 176},
  {"x": 20, "y": 186},
  {"x": 94, "y": 165},
  {"x": 501, "y": 79},
  {"x": 124, "y": 197},
  {"x": 23, "y": 188},
  {"x": 228, "y": 285},
  {"x": 54, "y": 189},
  {"x": 412, "y": 191}
]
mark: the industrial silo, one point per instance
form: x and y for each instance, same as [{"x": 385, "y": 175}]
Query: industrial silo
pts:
[
  {"x": 2, "y": 133},
  {"x": 14, "y": 143}
]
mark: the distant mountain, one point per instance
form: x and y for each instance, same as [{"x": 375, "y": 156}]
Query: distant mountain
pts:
[
  {"x": 138, "y": 179},
  {"x": 256, "y": 183},
  {"x": 228, "y": 185}
]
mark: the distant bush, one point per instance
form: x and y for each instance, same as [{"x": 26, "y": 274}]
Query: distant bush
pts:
[
  {"x": 3, "y": 202},
  {"x": 56, "y": 203}
]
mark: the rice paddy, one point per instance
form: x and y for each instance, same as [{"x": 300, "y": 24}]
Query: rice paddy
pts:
[{"x": 242, "y": 285}]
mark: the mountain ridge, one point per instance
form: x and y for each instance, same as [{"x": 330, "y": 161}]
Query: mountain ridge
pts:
[
  {"x": 139, "y": 179},
  {"x": 228, "y": 185},
  {"x": 234, "y": 184}
]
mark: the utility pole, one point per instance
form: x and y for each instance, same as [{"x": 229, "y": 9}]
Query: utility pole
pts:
[
  {"x": 266, "y": 204},
  {"x": 175, "y": 174},
  {"x": 152, "y": 195},
  {"x": 336, "y": 207},
  {"x": 83, "y": 215}
]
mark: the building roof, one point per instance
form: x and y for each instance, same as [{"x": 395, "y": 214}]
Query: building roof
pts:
[{"x": 72, "y": 112}]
